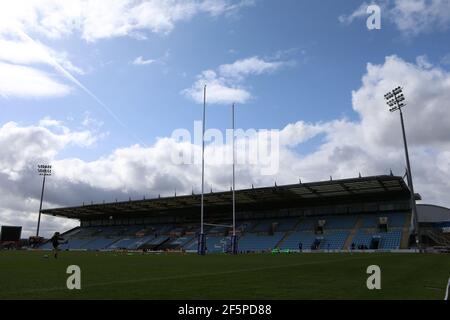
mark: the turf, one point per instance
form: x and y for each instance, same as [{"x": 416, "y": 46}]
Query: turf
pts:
[{"x": 28, "y": 275}]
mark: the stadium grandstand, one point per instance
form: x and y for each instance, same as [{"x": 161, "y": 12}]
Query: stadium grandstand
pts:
[
  {"x": 365, "y": 213},
  {"x": 434, "y": 225}
]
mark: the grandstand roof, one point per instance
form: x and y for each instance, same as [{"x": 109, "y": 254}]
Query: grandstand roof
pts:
[
  {"x": 428, "y": 213},
  {"x": 295, "y": 195}
]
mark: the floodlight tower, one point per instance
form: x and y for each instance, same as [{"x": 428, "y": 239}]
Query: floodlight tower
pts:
[
  {"x": 396, "y": 101},
  {"x": 43, "y": 170}
]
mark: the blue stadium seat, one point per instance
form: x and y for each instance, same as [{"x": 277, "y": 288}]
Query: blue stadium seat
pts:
[
  {"x": 135, "y": 243},
  {"x": 99, "y": 243},
  {"x": 332, "y": 240},
  {"x": 254, "y": 234},
  {"x": 287, "y": 224},
  {"x": 308, "y": 224},
  {"x": 394, "y": 220},
  {"x": 256, "y": 242},
  {"x": 340, "y": 222},
  {"x": 214, "y": 244},
  {"x": 388, "y": 240},
  {"x": 307, "y": 238}
]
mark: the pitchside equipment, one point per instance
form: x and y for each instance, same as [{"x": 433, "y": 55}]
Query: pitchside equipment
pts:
[
  {"x": 10, "y": 233},
  {"x": 10, "y": 236}
]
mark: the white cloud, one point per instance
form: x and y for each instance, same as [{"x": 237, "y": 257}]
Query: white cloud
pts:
[
  {"x": 426, "y": 89},
  {"x": 96, "y": 20},
  {"x": 411, "y": 17},
  {"x": 360, "y": 12},
  {"x": 446, "y": 59},
  {"x": 90, "y": 122},
  {"x": 26, "y": 82},
  {"x": 92, "y": 20},
  {"x": 49, "y": 122},
  {"x": 225, "y": 85},
  {"x": 22, "y": 51},
  {"x": 249, "y": 66},
  {"x": 23, "y": 62},
  {"x": 128, "y": 17},
  {"x": 23, "y": 146},
  {"x": 219, "y": 90},
  {"x": 140, "y": 61},
  {"x": 418, "y": 16}
]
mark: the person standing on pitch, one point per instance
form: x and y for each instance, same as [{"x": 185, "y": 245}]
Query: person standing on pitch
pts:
[{"x": 56, "y": 241}]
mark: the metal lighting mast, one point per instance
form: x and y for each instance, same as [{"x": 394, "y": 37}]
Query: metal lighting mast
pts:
[
  {"x": 43, "y": 170},
  {"x": 201, "y": 239},
  {"x": 234, "y": 238},
  {"x": 396, "y": 101}
]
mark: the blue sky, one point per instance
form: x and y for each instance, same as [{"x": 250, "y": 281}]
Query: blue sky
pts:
[
  {"x": 330, "y": 59},
  {"x": 296, "y": 66}
]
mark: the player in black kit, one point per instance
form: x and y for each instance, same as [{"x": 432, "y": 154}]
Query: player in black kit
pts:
[{"x": 56, "y": 241}]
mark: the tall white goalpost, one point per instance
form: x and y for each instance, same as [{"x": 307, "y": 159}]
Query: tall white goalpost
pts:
[
  {"x": 202, "y": 239},
  {"x": 234, "y": 248},
  {"x": 201, "y": 249}
]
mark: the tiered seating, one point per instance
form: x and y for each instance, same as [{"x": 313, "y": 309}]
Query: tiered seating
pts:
[
  {"x": 332, "y": 222},
  {"x": 75, "y": 244},
  {"x": 263, "y": 226},
  {"x": 214, "y": 244},
  {"x": 281, "y": 225},
  {"x": 292, "y": 241},
  {"x": 73, "y": 233},
  {"x": 217, "y": 229},
  {"x": 308, "y": 224},
  {"x": 87, "y": 232},
  {"x": 45, "y": 246},
  {"x": 123, "y": 244},
  {"x": 254, "y": 235},
  {"x": 255, "y": 242},
  {"x": 340, "y": 222},
  {"x": 391, "y": 240},
  {"x": 109, "y": 231},
  {"x": 131, "y": 230},
  {"x": 287, "y": 224},
  {"x": 246, "y": 226},
  {"x": 153, "y": 241},
  {"x": 135, "y": 243},
  {"x": 394, "y": 220},
  {"x": 334, "y": 240},
  {"x": 145, "y": 240},
  {"x": 180, "y": 242},
  {"x": 370, "y": 221},
  {"x": 388, "y": 240},
  {"x": 165, "y": 229},
  {"x": 177, "y": 230},
  {"x": 99, "y": 243}
]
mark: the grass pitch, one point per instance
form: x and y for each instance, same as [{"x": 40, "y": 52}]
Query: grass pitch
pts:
[{"x": 28, "y": 275}]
